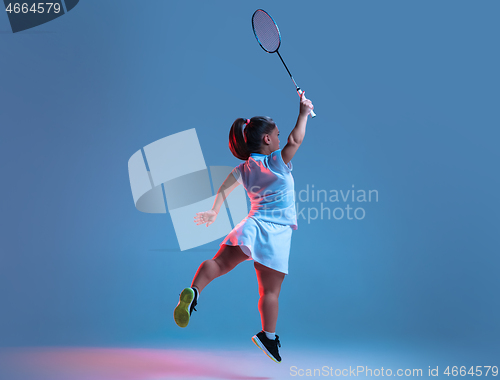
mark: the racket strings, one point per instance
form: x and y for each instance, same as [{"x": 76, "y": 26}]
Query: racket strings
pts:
[{"x": 266, "y": 31}]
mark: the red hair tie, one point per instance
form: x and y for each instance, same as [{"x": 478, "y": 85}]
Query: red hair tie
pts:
[{"x": 248, "y": 121}]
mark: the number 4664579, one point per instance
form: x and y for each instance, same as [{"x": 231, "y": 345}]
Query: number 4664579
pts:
[
  {"x": 462, "y": 371},
  {"x": 35, "y": 8}
]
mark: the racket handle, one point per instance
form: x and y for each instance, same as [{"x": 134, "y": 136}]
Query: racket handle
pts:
[{"x": 299, "y": 91}]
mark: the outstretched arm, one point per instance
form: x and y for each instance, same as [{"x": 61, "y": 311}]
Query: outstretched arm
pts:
[{"x": 225, "y": 189}]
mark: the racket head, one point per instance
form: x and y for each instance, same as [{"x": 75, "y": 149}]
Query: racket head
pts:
[{"x": 266, "y": 31}]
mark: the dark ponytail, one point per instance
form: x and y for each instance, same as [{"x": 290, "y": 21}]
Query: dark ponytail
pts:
[{"x": 243, "y": 141}]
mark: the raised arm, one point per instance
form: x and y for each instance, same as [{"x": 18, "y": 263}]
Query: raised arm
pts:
[{"x": 298, "y": 133}]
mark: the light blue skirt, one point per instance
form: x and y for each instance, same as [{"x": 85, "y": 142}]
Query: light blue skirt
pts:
[{"x": 265, "y": 242}]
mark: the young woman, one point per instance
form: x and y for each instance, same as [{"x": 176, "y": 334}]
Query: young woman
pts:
[{"x": 265, "y": 234}]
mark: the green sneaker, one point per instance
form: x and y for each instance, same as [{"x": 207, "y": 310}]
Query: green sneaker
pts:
[{"x": 186, "y": 305}]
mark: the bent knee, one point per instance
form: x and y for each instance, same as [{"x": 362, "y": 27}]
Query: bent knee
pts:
[
  {"x": 223, "y": 266},
  {"x": 269, "y": 293},
  {"x": 228, "y": 260}
]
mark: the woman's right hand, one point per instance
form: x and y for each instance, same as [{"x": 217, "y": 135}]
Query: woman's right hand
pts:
[{"x": 305, "y": 104}]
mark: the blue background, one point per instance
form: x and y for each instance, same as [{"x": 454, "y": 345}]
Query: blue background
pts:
[{"x": 407, "y": 100}]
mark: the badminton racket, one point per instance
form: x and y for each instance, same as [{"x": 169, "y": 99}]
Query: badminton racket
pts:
[{"x": 269, "y": 38}]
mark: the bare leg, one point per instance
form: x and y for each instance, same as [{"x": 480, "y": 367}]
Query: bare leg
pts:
[
  {"x": 225, "y": 260},
  {"x": 269, "y": 290}
]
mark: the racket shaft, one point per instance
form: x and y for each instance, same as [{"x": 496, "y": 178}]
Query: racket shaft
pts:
[{"x": 299, "y": 91}]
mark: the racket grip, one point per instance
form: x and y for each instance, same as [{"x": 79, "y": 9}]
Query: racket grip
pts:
[{"x": 299, "y": 91}]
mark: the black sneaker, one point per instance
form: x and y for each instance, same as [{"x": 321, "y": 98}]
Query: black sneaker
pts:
[
  {"x": 270, "y": 347},
  {"x": 186, "y": 305}
]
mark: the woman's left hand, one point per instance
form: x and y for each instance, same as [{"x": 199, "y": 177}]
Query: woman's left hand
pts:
[{"x": 207, "y": 217}]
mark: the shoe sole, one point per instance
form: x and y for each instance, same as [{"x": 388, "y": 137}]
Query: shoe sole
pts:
[
  {"x": 259, "y": 344},
  {"x": 181, "y": 312}
]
